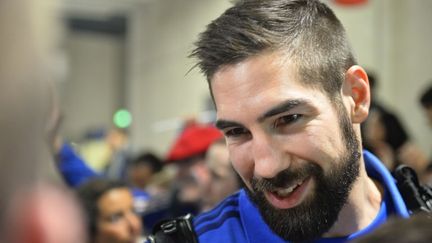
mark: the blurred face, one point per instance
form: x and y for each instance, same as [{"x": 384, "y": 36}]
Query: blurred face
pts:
[
  {"x": 192, "y": 178},
  {"x": 295, "y": 150},
  {"x": 117, "y": 222},
  {"x": 140, "y": 175},
  {"x": 223, "y": 178}
]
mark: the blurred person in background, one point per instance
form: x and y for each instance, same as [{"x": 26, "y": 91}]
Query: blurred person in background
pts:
[
  {"x": 184, "y": 175},
  {"x": 106, "y": 151},
  {"x": 188, "y": 155},
  {"x": 426, "y": 103},
  {"x": 224, "y": 181},
  {"x": 34, "y": 205},
  {"x": 117, "y": 140},
  {"x": 110, "y": 213},
  {"x": 146, "y": 172},
  {"x": 141, "y": 171},
  {"x": 75, "y": 172},
  {"x": 386, "y": 136}
]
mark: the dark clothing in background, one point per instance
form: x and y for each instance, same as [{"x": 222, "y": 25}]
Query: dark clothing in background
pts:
[{"x": 396, "y": 134}]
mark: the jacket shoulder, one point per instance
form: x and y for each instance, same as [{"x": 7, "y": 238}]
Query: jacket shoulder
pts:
[{"x": 221, "y": 224}]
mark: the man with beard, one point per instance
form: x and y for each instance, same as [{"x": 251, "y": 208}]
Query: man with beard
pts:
[{"x": 290, "y": 99}]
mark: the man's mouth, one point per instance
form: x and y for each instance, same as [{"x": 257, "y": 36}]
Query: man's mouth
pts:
[
  {"x": 290, "y": 196},
  {"x": 284, "y": 192}
]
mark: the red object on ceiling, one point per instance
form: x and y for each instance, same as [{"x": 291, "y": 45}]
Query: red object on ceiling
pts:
[{"x": 350, "y": 2}]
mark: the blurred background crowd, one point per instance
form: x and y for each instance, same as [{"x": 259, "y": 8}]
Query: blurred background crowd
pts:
[{"x": 106, "y": 129}]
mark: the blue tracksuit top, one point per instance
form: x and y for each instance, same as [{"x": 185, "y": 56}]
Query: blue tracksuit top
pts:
[
  {"x": 75, "y": 171},
  {"x": 237, "y": 219}
]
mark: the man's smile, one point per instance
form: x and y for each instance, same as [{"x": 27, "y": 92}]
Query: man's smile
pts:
[{"x": 291, "y": 196}]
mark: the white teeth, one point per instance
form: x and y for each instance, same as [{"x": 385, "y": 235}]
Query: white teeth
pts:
[{"x": 286, "y": 191}]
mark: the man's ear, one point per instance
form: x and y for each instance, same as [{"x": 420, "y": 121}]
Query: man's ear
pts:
[{"x": 356, "y": 88}]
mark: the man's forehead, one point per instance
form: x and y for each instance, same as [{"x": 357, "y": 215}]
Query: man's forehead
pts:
[
  {"x": 249, "y": 73},
  {"x": 270, "y": 100}
]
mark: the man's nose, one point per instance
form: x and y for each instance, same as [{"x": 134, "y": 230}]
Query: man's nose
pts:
[{"x": 268, "y": 156}]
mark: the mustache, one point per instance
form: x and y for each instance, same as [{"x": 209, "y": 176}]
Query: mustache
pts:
[{"x": 285, "y": 178}]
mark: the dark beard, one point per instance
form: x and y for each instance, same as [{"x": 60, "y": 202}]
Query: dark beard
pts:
[{"x": 316, "y": 214}]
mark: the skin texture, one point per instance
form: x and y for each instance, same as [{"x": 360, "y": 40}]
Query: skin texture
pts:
[
  {"x": 288, "y": 125},
  {"x": 117, "y": 222}
]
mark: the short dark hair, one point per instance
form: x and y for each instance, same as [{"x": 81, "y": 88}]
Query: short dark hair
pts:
[
  {"x": 89, "y": 194},
  {"x": 306, "y": 31},
  {"x": 426, "y": 98},
  {"x": 148, "y": 158}
]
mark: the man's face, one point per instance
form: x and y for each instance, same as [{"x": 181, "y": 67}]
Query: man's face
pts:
[
  {"x": 296, "y": 152},
  {"x": 117, "y": 221}
]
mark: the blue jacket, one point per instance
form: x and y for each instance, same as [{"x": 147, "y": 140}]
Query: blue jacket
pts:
[
  {"x": 237, "y": 219},
  {"x": 75, "y": 171}
]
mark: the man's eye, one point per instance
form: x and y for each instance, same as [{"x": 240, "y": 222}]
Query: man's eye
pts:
[
  {"x": 287, "y": 120},
  {"x": 236, "y": 132}
]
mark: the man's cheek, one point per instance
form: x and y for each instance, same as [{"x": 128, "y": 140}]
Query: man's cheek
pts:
[{"x": 244, "y": 170}]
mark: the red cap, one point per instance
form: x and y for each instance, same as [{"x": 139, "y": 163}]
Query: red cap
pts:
[
  {"x": 351, "y": 2},
  {"x": 193, "y": 140}
]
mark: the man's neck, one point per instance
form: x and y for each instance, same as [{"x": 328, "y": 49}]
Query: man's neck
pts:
[{"x": 361, "y": 208}]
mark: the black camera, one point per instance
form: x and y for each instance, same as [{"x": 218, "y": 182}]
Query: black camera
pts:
[
  {"x": 418, "y": 198},
  {"x": 178, "y": 230}
]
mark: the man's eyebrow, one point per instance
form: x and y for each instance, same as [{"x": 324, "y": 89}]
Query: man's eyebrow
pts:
[
  {"x": 223, "y": 124},
  {"x": 283, "y": 107}
]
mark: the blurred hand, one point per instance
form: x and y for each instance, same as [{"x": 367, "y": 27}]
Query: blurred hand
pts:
[{"x": 45, "y": 214}]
